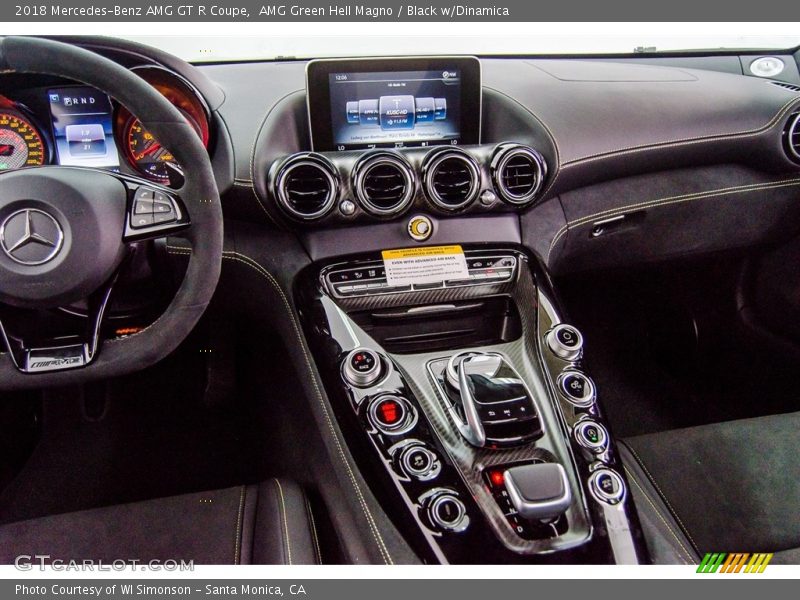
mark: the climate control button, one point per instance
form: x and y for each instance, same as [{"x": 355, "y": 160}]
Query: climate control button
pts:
[{"x": 565, "y": 341}]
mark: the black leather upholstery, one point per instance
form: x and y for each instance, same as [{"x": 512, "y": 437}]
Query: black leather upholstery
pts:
[
  {"x": 269, "y": 523},
  {"x": 726, "y": 487}
]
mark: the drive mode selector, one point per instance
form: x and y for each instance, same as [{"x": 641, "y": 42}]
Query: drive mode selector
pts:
[
  {"x": 391, "y": 414},
  {"x": 362, "y": 367},
  {"x": 576, "y": 388},
  {"x": 565, "y": 341}
]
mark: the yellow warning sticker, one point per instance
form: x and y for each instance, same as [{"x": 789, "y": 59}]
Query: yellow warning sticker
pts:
[{"x": 432, "y": 264}]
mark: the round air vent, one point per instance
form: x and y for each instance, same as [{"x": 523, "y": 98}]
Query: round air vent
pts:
[
  {"x": 518, "y": 173},
  {"x": 306, "y": 186},
  {"x": 384, "y": 183},
  {"x": 452, "y": 179},
  {"x": 791, "y": 137}
]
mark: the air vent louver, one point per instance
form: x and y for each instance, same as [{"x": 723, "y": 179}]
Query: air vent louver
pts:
[
  {"x": 518, "y": 173},
  {"x": 791, "y": 137},
  {"x": 788, "y": 86},
  {"x": 306, "y": 187},
  {"x": 384, "y": 184},
  {"x": 452, "y": 180}
]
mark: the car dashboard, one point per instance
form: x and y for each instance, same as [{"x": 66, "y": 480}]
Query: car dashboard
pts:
[{"x": 433, "y": 200}]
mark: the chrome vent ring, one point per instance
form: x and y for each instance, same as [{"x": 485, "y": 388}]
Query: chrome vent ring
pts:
[
  {"x": 452, "y": 179},
  {"x": 384, "y": 184},
  {"x": 306, "y": 187},
  {"x": 518, "y": 173}
]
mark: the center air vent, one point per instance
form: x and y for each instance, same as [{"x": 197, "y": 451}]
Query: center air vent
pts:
[
  {"x": 452, "y": 179},
  {"x": 306, "y": 186},
  {"x": 518, "y": 173},
  {"x": 791, "y": 137},
  {"x": 384, "y": 184}
]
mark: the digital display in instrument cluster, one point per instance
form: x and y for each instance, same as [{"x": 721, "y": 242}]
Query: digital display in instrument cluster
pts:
[
  {"x": 397, "y": 108},
  {"x": 82, "y": 127}
]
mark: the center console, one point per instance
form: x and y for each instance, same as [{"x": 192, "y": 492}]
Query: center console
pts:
[
  {"x": 469, "y": 409},
  {"x": 462, "y": 393}
]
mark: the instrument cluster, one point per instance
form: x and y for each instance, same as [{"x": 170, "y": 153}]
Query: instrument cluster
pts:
[{"x": 59, "y": 123}]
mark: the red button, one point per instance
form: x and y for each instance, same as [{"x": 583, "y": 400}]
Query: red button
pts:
[{"x": 389, "y": 412}]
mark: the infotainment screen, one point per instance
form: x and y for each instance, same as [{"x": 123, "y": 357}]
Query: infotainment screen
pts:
[{"x": 383, "y": 103}]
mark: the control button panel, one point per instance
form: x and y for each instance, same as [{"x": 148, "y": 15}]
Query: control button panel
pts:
[
  {"x": 362, "y": 367},
  {"x": 607, "y": 486},
  {"x": 369, "y": 279},
  {"x": 565, "y": 341},
  {"x": 152, "y": 207},
  {"x": 391, "y": 414},
  {"x": 576, "y": 387},
  {"x": 591, "y": 435},
  {"x": 444, "y": 510}
]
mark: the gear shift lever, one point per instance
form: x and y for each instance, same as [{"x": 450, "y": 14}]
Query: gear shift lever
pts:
[{"x": 538, "y": 491}]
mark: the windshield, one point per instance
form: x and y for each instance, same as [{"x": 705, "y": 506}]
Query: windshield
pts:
[{"x": 270, "y": 47}]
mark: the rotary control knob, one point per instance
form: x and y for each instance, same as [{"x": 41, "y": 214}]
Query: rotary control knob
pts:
[
  {"x": 565, "y": 341},
  {"x": 391, "y": 414},
  {"x": 576, "y": 388},
  {"x": 607, "y": 486},
  {"x": 419, "y": 462},
  {"x": 362, "y": 367},
  {"x": 591, "y": 435},
  {"x": 446, "y": 512}
]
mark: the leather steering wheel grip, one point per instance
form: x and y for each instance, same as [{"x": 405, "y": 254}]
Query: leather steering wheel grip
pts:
[{"x": 199, "y": 193}]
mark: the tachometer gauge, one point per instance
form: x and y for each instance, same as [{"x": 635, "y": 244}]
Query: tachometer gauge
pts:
[
  {"x": 149, "y": 157},
  {"x": 20, "y": 143}
]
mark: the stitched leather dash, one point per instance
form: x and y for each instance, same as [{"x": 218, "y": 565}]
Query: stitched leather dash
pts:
[{"x": 667, "y": 201}]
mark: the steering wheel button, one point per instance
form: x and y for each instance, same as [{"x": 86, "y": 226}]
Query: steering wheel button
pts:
[
  {"x": 159, "y": 218},
  {"x": 144, "y": 220},
  {"x": 142, "y": 207}
]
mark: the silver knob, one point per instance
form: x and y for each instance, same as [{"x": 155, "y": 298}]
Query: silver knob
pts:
[
  {"x": 538, "y": 491},
  {"x": 565, "y": 341},
  {"x": 362, "y": 367},
  {"x": 607, "y": 486},
  {"x": 447, "y": 512},
  {"x": 576, "y": 388}
]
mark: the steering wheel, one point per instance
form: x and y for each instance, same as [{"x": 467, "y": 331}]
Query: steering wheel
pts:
[{"x": 65, "y": 233}]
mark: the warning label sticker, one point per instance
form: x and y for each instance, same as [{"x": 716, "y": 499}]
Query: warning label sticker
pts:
[{"x": 408, "y": 266}]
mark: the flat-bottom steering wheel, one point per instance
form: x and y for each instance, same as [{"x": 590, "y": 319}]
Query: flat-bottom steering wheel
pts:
[{"x": 65, "y": 231}]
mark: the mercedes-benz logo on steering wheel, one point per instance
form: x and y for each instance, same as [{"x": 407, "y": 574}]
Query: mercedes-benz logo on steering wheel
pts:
[{"x": 31, "y": 237}]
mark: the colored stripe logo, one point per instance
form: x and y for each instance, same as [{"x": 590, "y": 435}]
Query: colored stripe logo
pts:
[{"x": 735, "y": 562}]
